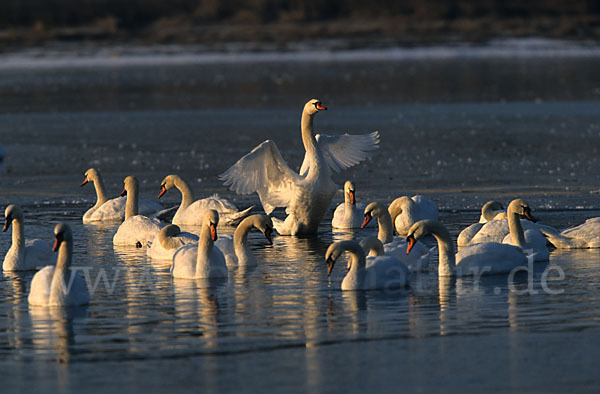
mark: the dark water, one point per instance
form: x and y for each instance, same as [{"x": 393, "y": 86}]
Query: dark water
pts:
[{"x": 461, "y": 131}]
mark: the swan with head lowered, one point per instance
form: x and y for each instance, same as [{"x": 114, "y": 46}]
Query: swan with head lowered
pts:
[
  {"x": 192, "y": 212},
  {"x": 167, "y": 241},
  {"x": 491, "y": 210},
  {"x": 396, "y": 247},
  {"x": 106, "y": 210},
  {"x": 202, "y": 261},
  {"x": 24, "y": 255},
  {"x": 487, "y": 258},
  {"x": 136, "y": 230},
  {"x": 307, "y": 195},
  {"x": 349, "y": 214},
  {"x": 60, "y": 285},
  {"x": 583, "y": 236},
  {"x": 382, "y": 272},
  {"x": 235, "y": 248},
  {"x": 406, "y": 211}
]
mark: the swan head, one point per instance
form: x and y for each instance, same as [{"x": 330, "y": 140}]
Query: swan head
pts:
[
  {"x": 372, "y": 244},
  {"x": 373, "y": 210},
  {"x": 164, "y": 237},
  {"x": 336, "y": 249},
  {"x": 130, "y": 183},
  {"x": 265, "y": 224},
  {"x": 313, "y": 106},
  {"x": 350, "y": 191},
  {"x": 417, "y": 231},
  {"x": 11, "y": 213},
  {"x": 166, "y": 184},
  {"x": 211, "y": 220},
  {"x": 521, "y": 208},
  {"x": 91, "y": 175},
  {"x": 490, "y": 208},
  {"x": 62, "y": 233}
]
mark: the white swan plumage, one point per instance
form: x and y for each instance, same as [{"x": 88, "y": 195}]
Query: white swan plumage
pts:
[
  {"x": 488, "y": 258},
  {"x": 532, "y": 241},
  {"x": 583, "y": 236},
  {"x": 379, "y": 272},
  {"x": 306, "y": 195},
  {"x": 60, "y": 285},
  {"x": 204, "y": 260},
  {"x": 24, "y": 255},
  {"x": 167, "y": 241},
  {"x": 349, "y": 214},
  {"x": 136, "y": 230},
  {"x": 111, "y": 210},
  {"x": 406, "y": 211},
  {"x": 235, "y": 248},
  {"x": 491, "y": 210}
]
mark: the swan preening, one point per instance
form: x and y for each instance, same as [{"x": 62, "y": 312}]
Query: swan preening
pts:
[
  {"x": 60, "y": 285},
  {"x": 167, "y": 241},
  {"x": 105, "y": 209},
  {"x": 406, "y": 211},
  {"x": 487, "y": 258},
  {"x": 235, "y": 248},
  {"x": 136, "y": 230},
  {"x": 24, "y": 255},
  {"x": 349, "y": 214},
  {"x": 202, "y": 261},
  {"x": 379, "y": 272},
  {"x": 583, "y": 236},
  {"x": 307, "y": 195}
]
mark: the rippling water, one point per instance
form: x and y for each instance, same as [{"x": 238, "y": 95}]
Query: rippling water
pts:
[{"x": 460, "y": 131}]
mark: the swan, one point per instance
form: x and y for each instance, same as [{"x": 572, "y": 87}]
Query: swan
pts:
[
  {"x": 583, "y": 236},
  {"x": 350, "y": 213},
  {"x": 167, "y": 241},
  {"x": 235, "y": 248},
  {"x": 395, "y": 247},
  {"x": 136, "y": 230},
  {"x": 306, "y": 195},
  {"x": 381, "y": 272},
  {"x": 191, "y": 212},
  {"x": 106, "y": 210},
  {"x": 491, "y": 210},
  {"x": 487, "y": 258},
  {"x": 532, "y": 241},
  {"x": 60, "y": 285},
  {"x": 23, "y": 255},
  {"x": 204, "y": 260},
  {"x": 406, "y": 211}
]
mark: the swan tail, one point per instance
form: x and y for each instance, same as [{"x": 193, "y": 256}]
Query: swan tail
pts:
[
  {"x": 165, "y": 214},
  {"x": 234, "y": 219},
  {"x": 555, "y": 238}
]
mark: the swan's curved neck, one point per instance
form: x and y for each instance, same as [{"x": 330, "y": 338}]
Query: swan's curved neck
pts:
[
  {"x": 101, "y": 197},
  {"x": 310, "y": 143},
  {"x": 60, "y": 278},
  {"x": 386, "y": 228},
  {"x": 205, "y": 245},
  {"x": 447, "y": 257},
  {"x": 515, "y": 229},
  {"x": 167, "y": 241},
  {"x": 400, "y": 205},
  {"x": 187, "y": 196},
  {"x": 358, "y": 260},
  {"x": 131, "y": 207},
  {"x": 347, "y": 200},
  {"x": 18, "y": 237}
]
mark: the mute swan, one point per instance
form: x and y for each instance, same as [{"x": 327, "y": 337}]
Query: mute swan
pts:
[
  {"x": 24, "y": 255},
  {"x": 350, "y": 213},
  {"x": 583, "y": 236},
  {"x": 136, "y": 230},
  {"x": 204, "y": 260},
  {"x": 491, "y": 210},
  {"x": 406, "y": 211},
  {"x": 306, "y": 195},
  {"x": 395, "y": 247},
  {"x": 381, "y": 272},
  {"x": 487, "y": 258},
  {"x": 235, "y": 249},
  {"x": 167, "y": 241},
  {"x": 192, "y": 212},
  {"x": 60, "y": 285},
  {"x": 531, "y": 240},
  {"x": 114, "y": 209}
]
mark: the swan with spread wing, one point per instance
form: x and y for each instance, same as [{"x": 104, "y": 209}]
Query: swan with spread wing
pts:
[{"x": 306, "y": 195}]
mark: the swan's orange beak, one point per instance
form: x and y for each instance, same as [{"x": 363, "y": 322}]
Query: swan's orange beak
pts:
[
  {"x": 163, "y": 190},
  {"x": 57, "y": 242},
  {"x": 330, "y": 264},
  {"x": 85, "y": 181},
  {"x": 268, "y": 235},
  {"x": 368, "y": 218},
  {"x": 352, "y": 198},
  {"x": 320, "y": 107},
  {"x": 7, "y": 224},
  {"x": 527, "y": 214},
  {"x": 411, "y": 242},
  {"x": 213, "y": 232},
  {"x": 123, "y": 193}
]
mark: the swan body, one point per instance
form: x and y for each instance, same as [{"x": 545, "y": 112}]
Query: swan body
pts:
[
  {"x": 24, "y": 255},
  {"x": 106, "y": 210},
  {"x": 60, "y": 285},
  {"x": 235, "y": 248},
  {"x": 583, "y": 236},
  {"x": 167, "y": 241},
  {"x": 380, "y": 272},
  {"x": 306, "y": 195},
  {"x": 192, "y": 212},
  {"x": 204, "y": 260},
  {"x": 350, "y": 213},
  {"x": 487, "y": 258},
  {"x": 406, "y": 211},
  {"x": 136, "y": 230},
  {"x": 375, "y": 248},
  {"x": 491, "y": 210}
]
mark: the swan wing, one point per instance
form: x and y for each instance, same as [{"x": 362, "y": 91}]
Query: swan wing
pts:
[
  {"x": 344, "y": 151},
  {"x": 264, "y": 171}
]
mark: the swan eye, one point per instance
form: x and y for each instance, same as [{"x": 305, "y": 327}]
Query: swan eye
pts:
[{"x": 316, "y": 105}]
